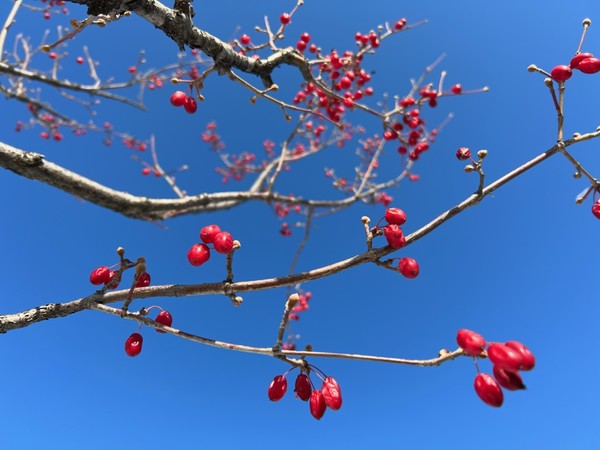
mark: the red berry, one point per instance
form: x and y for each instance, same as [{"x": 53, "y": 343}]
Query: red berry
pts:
[
  {"x": 508, "y": 380},
  {"x": 504, "y": 357},
  {"x": 52, "y": 55},
  {"x": 456, "y": 89},
  {"x": 561, "y": 73},
  {"x": 527, "y": 358},
  {"x": 245, "y": 39},
  {"x": 394, "y": 236},
  {"x": 303, "y": 388},
  {"x": 596, "y": 209},
  {"x": 178, "y": 98},
  {"x": 143, "y": 280},
  {"x": 133, "y": 344},
  {"x": 589, "y": 65},
  {"x": 317, "y": 404},
  {"x": 395, "y": 216},
  {"x": 488, "y": 390},
  {"x": 190, "y": 105},
  {"x": 277, "y": 388},
  {"x": 146, "y": 171},
  {"x": 578, "y": 58},
  {"x": 332, "y": 393},
  {"x": 132, "y": 69},
  {"x": 472, "y": 343},
  {"x": 208, "y": 233},
  {"x": 46, "y": 15},
  {"x": 301, "y": 46},
  {"x": 100, "y": 275},
  {"x": 305, "y": 37},
  {"x": 408, "y": 267},
  {"x": 113, "y": 280},
  {"x": 79, "y": 60},
  {"x": 312, "y": 48},
  {"x": 165, "y": 318},
  {"x": 198, "y": 254},
  {"x": 400, "y": 24},
  {"x": 223, "y": 242},
  {"x": 285, "y": 18},
  {"x": 463, "y": 153}
]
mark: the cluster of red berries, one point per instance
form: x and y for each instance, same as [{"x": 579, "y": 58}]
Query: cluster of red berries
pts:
[
  {"x": 395, "y": 217},
  {"x": 508, "y": 359},
  {"x": 111, "y": 278},
  {"x": 133, "y": 344},
  {"x": 211, "y": 234},
  {"x": 180, "y": 98},
  {"x": 329, "y": 396},
  {"x": 584, "y": 62}
]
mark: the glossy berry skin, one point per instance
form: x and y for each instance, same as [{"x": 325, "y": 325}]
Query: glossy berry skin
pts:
[
  {"x": 408, "y": 267},
  {"x": 578, "y": 58},
  {"x": 198, "y": 254},
  {"x": 100, "y": 275},
  {"x": 472, "y": 343},
  {"x": 394, "y": 236},
  {"x": 284, "y": 18},
  {"x": 178, "y": 98},
  {"x": 527, "y": 358},
  {"x": 208, "y": 233},
  {"x": 561, "y": 73},
  {"x": 596, "y": 209},
  {"x": 133, "y": 344},
  {"x": 589, "y": 65},
  {"x": 488, "y": 390},
  {"x": 456, "y": 89},
  {"x": 395, "y": 216},
  {"x": 505, "y": 357},
  {"x": 302, "y": 387},
  {"x": 332, "y": 393},
  {"x": 245, "y": 39},
  {"x": 143, "y": 280},
  {"x": 317, "y": 404},
  {"x": 223, "y": 242},
  {"x": 165, "y": 318},
  {"x": 463, "y": 153},
  {"x": 508, "y": 380},
  {"x": 190, "y": 105},
  {"x": 277, "y": 388}
]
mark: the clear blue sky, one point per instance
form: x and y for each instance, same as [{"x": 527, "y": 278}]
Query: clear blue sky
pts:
[{"x": 522, "y": 265}]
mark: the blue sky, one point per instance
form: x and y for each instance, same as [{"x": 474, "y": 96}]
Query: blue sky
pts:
[{"x": 520, "y": 266}]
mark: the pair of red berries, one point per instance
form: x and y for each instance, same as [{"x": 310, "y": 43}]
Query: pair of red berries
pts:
[
  {"x": 395, "y": 217},
  {"x": 180, "y": 98},
  {"x": 596, "y": 209},
  {"x": 508, "y": 359},
  {"x": 329, "y": 396},
  {"x": 584, "y": 62},
  {"x": 133, "y": 344},
  {"x": 210, "y": 234},
  {"x": 103, "y": 275}
]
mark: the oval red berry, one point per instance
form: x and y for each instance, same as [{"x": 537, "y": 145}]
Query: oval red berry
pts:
[
  {"x": 277, "y": 388},
  {"x": 408, "y": 267},
  {"x": 303, "y": 388},
  {"x": 198, "y": 254},
  {"x": 100, "y": 275},
  {"x": 508, "y": 380},
  {"x": 317, "y": 404},
  {"x": 133, "y": 344},
  {"x": 488, "y": 390},
  {"x": 472, "y": 343},
  {"x": 505, "y": 357},
  {"x": 165, "y": 318},
  {"x": 332, "y": 393}
]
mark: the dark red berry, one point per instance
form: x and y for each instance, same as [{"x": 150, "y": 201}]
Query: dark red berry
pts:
[
  {"x": 394, "y": 236},
  {"x": 596, "y": 209},
  {"x": 456, "y": 89},
  {"x": 284, "y": 18},
  {"x": 190, "y": 105},
  {"x": 178, "y": 98},
  {"x": 561, "y": 73},
  {"x": 133, "y": 344},
  {"x": 488, "y": 390},
  {"x": 208, "y": 233},
  {"x": 143, "y": 280},
  {"x": 463, "y": 153},
  {"x": 578, "y": 58},
  {"x": 305, "y": 37},
  {"x": 589, "y": 65},
  {"x": 332, "y": 393},
  {"x": 317, "y": 404},
  {"x": 472, "y": 343},
  {"x": 508, "y": 380},
  {"x": 395, "y": 216},
  {"x": 223, "y": 242},
  {"x": 277, "y": 388},
  {"x": 303, "y": 388},
  {"x": 408, "y": 267},
  {"x": 245, "y": 39},
  {"x": 100, "y": 275},
  {"x": 165, "y": 318},
  {"x": 198, "y": 254},
  {"x": 505, "y": 357},
  {"x": 527, "y": 358}
]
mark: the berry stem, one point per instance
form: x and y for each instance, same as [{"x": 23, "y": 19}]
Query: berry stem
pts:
[
  {"x": 289, "y": 304},
  {"x": 586, "y": 25}
]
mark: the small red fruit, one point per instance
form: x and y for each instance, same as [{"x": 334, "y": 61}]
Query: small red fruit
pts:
[
  {"x": 277, "y": 388},
  {"x": 527, "y": 358},
  {"x": 394, "y": 236},
  {"x": 472, "y": 343},
  {"x": 301, "y": 46},
  {"x": 100, "y": 275},
  {"x": 143, "y": 280},
  {"x": 79, "y": 60},
  {"x": 303, "y": 388},
  {"x": 223, "y": 242},
  {"x": 508, "y": 380},
  {"x": 146, "y": 171},
  {"x": 456, "y": 89},
  {"x": 165, "y": 318},
  {"x": 178, "y": 98},
  {"x": 488, "y": 390},
  {"x": 561, "y": 73},
  {"x": 208, "y": 233},
  {"x": 198, "y": 254},
  {"x": 317, "y": 404},
  {"x": 589, "y": 65},
  {"x": 505, "y": 357},
  {"x": 332, "y": 393},
  {"x": 285, "y": 18},
  {"x": 596, "y": 209},
  {"x": 408, "y": 267},
  {"x": 305, "y": 37},
  {"x": 578, "y": 58},
  {"x": 190, "y": 105},
  {"x": 463, "y": 153},
  {"x": 395, "y": 216},
  {"x": 133, "y": 344},
  {"x": 245, "y": 39}
]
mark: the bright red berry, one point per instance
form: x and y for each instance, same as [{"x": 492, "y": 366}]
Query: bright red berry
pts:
[
  {"x": 301, "y": 46},
  {"x": 394, "y": 236},
  {"x": 408, "y": 267},
  {"x": 277, "y": 388},
  {"x": 223, "y": 242},
  {"x": 472, "y": 343},
  {"x": 596, "y": 209},
  {"x": 305, "y": 37},
  {"x": 79, "y": 60},
  {"x": 578, "y": 58},
  {"x": 589, "y": 65},
  {"x": 143, "y": 280},
  {"x": 245, "y": 39},
  {"x": 46, "y": 15},
  {"x": 146, "y": 171},
  {"x": 456, "y": 89},
  {"x": 504, "y": 357},
  {"x": 395, "y": 216},
  {"x": 190, "y": 105},
  {"x": 198, "y": 254},
  {"x": 303, "y": 388},
  {"x": 527, "y": 358},
  {"x": 317, "y": 404},
  {"x": 400, "y": 24},
  {"x": 285, "y": 18},
  {"x": 208, "y": 233},
  {"x": 178, "y": 98},
  {"x": 561, "y": 73},
  {"x": 165, "y": 318},
  {"x": 488, "y": 390},
  {"x": 52, "y": 55},
  {"x": 133, "y": 344},
  {"x": 463, "y": 153},
  {"x": 100, "y": 275},
  {"x": 508, "y": 380},
  {"x": 332, "y": 393}
]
